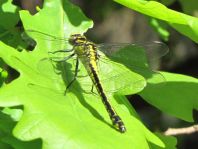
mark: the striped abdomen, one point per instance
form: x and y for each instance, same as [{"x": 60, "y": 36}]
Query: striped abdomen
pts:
[{"x": 116, "y": 120}]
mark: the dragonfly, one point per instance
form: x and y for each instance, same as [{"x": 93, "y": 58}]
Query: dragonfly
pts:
[{"x": 92, "y": 55}]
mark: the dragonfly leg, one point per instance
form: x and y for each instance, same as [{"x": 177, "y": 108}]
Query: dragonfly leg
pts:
[
  {"x": 92, "y": 87},
  {"x": 61, "y": 51},
  {"x": 75, "y": 76},
  {"x": 64, "y": 59},
  {"x": 92, "y": 90}
]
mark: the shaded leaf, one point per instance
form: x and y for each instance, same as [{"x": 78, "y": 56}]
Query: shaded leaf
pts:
[
  {"x": 183, "y": 23},
  {"x": 177, "y": 97}
]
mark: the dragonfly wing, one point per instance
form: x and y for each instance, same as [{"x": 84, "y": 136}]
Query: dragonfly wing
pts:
[
  {"x": 151, "y": 51},
  {"x": 51, "y": 43},
  {"x": 117, "y": 77},
  {"x": 121, "y": 69},
  {"x": 47, "y": 68},
  {"x": 136, "y": 57},
  {"x": 62, "y": 72},
  {"x": 114, "y": 77}
]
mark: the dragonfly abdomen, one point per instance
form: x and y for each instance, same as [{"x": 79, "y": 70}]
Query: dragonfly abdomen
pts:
[{"x": 116, "y": 120}]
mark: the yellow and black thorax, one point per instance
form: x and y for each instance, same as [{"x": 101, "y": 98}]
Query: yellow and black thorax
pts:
[{"x": 85, "y": 50}]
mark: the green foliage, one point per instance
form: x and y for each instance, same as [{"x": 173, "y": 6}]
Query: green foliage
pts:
[
  {"x": 79, "y": 120},
  {"x": 3, "y": 74},
  {"x": 170, "y": 142},
  {"x": 160, "y": 27},
  {"x": 10, "y": 11},
  {"x": 9, "y": 15},
  {"x": 8, "y": 118},
  {"x": 178, "y": 91},
  {"x": 183, "y": 23}
]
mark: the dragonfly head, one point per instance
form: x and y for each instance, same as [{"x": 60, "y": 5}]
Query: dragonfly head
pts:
[{"x": 76, "y": 39}]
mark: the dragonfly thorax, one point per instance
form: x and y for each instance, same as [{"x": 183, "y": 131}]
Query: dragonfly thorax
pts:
[{"x": 77, "y": 39}]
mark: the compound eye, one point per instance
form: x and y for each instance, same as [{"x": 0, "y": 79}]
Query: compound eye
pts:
[
  {"x": 77, "y": 39},
  {"x": 82, "y": 38}
]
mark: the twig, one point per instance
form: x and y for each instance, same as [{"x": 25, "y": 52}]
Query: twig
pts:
[{"x": 181, "y": 131}]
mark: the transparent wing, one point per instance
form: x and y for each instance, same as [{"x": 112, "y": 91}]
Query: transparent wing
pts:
[
  {"x": 44, "y": 36},
  {"x": 52, "y": 43},
  {"x": 119, "y": 63},
  {"x": 135, "y": 58},
  {"x": 125, "y": 69},
  {"x": 115, "y": 77},
  {"x": 151, "y": 50}
]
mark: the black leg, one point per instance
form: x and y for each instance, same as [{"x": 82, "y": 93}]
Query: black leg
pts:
[
  {"x": 92, "y": 87},
  {"x": 75, "y": 76},
  {"x": 92, "y": 90},
  {"x": 64, "y": 59},
  {"x": 61, "y": 51}
]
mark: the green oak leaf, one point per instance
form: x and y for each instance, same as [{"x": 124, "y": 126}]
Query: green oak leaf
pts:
[
  {"x": 176, "y": 97},
  {"x": 9, "y": 17},
  {"x": 8, "y": 121},
  {"x": 8, "y": 10}
]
